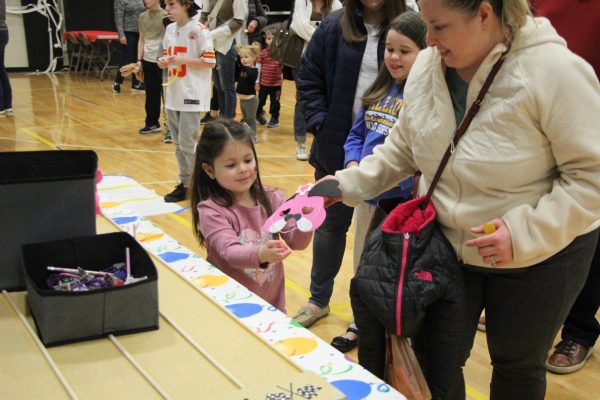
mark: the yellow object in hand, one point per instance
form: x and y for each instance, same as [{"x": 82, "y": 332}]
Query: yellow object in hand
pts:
[{"x": 489, "y": 228}]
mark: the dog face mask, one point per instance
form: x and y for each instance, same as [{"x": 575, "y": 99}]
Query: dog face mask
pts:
[{"x": 305, "y": 208}]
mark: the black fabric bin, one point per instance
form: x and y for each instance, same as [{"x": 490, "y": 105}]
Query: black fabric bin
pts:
[
  {"x": 63, "y": 317},
  {"x": 44, "y": 195}
]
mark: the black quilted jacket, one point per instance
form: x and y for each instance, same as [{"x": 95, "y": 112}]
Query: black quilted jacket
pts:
[{"x": 407, "y": 265}]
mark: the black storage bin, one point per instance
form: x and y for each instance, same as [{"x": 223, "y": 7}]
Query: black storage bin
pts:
[
  {"x": 63, "y": 317},
  {"x": 44, "y": 195}
]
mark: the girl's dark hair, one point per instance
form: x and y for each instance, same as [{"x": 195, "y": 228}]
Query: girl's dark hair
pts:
[
  {"x": 215, "y": 136},
  {"x": 412, "y": 26},
  {"x": 350, "y": 29}
]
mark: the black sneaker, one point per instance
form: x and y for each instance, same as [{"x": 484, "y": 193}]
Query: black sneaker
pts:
[
  {"x": 116, "y": 87},
  {"x": 261, "y": 119},
  {"x": 176, "y": 195},
  {"x": 140, "y": 87},
  {"x": 150, "y": 129},
  {"x": 207, "y": 118},
  {"x": 273, "y": 123}
]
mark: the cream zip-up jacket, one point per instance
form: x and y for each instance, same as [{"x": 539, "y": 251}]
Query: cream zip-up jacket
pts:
[{"x": 531, "y": 156}]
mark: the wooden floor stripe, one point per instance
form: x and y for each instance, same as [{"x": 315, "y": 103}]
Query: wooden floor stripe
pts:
[
  {"x": 141, "y": 370},
  {"x": 203, "y": 351}
]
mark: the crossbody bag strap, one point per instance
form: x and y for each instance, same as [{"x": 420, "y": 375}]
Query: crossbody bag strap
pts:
[{"x": 460, "y": 131}]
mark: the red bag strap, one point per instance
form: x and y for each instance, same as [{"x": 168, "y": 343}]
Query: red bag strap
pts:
[{"x": 460, "y": 131}]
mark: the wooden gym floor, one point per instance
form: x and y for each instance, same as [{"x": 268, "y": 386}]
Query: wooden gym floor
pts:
[{"x": 70, "y": 111}]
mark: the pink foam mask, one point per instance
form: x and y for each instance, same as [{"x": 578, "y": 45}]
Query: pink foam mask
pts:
[{"x": 305, "y": 208}]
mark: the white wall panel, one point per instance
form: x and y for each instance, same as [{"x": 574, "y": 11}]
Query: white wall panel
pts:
[{"x": 16, "y": 51}]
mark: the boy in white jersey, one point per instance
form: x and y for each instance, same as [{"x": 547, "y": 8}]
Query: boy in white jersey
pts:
[{"x": 189, "y": 56}]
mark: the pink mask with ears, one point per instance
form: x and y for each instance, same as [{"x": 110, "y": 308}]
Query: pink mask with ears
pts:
[{"x": 305, "y": 208}]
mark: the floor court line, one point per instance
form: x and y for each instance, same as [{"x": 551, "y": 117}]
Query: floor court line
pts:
[
  {"x": 118, "y": 121},
  {"x": 129, "y": 150},
  {"x": 12, "y": 139},
  {"x": 83, "y": 99},
  {"x": 39, "y": 138}
]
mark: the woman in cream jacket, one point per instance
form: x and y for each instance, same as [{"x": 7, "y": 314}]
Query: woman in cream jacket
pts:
[{"x": 529, "y": 163}]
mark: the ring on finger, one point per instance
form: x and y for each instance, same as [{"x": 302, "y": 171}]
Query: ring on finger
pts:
[{"x": 493, "y": 261}]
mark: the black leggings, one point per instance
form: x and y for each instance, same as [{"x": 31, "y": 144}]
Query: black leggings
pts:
[
  {"x": 524, "y": 309},
  {"x": 581, "y": 324}
]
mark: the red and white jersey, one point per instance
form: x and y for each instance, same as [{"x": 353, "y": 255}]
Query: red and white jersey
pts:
[{"x": 189, "y": 89}]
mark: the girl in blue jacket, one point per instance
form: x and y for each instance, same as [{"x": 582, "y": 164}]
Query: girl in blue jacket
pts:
[{"x": 379, "y": 112}]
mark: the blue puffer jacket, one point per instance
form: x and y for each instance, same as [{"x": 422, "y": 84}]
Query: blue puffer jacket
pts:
[{"x": 327, "y": 78}]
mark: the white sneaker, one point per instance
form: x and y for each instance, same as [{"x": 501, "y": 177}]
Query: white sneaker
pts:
[{"x": 301, "y": 152}]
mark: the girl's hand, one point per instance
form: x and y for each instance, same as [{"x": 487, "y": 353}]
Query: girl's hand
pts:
[
  {"x": 123, "y": 40},
  {"x": 177, "y": 60},
  {"x": 329, "y": 201},
  {"x": 273, "y": 251},
  {"x": 495, "y": 248},
  {"x": 352, "y": 164}
]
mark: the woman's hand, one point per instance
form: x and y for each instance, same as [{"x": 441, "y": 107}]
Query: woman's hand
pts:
[
  {"x": 495, "y": 248},
  {"x": 252, "y": 26},
  {"x": 329, "y": 201},
  {"x": 123, "y": 40},
  {"x": 273, "y": 251}
]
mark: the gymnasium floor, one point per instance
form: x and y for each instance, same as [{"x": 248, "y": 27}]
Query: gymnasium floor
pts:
[{"x": 71, "y": 111}]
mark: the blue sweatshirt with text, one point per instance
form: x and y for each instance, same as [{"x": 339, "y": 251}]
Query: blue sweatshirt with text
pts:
[{"x": 370, "y": 129}]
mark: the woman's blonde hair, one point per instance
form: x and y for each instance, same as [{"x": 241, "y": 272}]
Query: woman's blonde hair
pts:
[
  {"x": 512, "y": 13},
  {"x": 252, "y": 49}
]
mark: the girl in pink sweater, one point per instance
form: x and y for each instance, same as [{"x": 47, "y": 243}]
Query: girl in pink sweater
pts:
[{"x": 230, "y": 205}]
